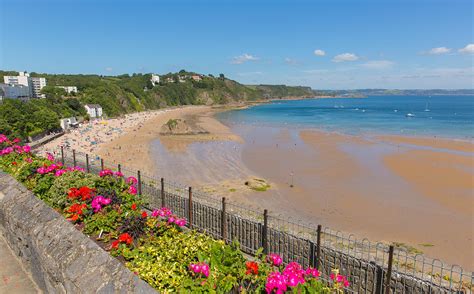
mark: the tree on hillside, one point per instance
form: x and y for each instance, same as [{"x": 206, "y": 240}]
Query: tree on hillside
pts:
[{"x": 53, "y": 94}]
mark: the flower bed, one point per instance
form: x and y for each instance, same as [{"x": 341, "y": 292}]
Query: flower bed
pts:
[{"x": 154, "y": 245}]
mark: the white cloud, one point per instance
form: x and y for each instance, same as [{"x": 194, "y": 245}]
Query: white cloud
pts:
[
  {"x": 469, "y": 49},
  {"x": 345, "y": 57},
  {"x": 439, "y": 50},
  {"x": 109, "y": 69},
  {"x": 243, "y": 58},
  {"x": 319, "y": 52},
  {"x": 378, "y": 64}
]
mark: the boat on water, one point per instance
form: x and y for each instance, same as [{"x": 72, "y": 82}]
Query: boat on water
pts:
[
  {"x": 410, "y": 115},
  {"x": 426, "y": 108}
]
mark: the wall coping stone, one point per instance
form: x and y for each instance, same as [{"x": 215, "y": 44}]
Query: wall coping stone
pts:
[{"x": 59, "y": 258}]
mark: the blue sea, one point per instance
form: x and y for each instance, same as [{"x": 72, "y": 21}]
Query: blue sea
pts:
[{"x": 442, "y": 116}]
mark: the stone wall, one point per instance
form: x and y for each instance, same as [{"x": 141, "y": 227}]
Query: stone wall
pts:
[{"x": 60, "y": 258}]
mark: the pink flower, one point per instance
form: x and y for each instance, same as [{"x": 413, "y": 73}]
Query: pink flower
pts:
[
  {"x": 59, "y": 172},
  {"x": 6, "y": 151},
  {"x": 180, "y": 222},
  {"x": 106, "y": 172},
  {"x": 132, "y": 180},
  {"x": 312, "y": 272},
  {"x": 26, "y": 148},
  {"x": 200, "y": 268},
  {"x": 132, "y": 190},
  {"x": 118, "y": 174},
  {"x": 29, "y": 160},
  {"x": 3, "y": 138},
  {"x": 49, "y": 156},
  {"x": 274, "y": 259},
  {"x": 276, "y": 281},
  {"x": 98, "y": 202}
]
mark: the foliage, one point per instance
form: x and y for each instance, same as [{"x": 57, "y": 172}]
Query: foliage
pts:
[{"x": 61, "y": 185}]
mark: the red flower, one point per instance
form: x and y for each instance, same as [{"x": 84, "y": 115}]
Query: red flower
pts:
[
  {"x": 74, "y": 217},
  {"x": 125, "y": 238},
  {"x": 144, "y": 214},
  {"x": 73, "y": 193},
  {"x": 85, "y": 193},
  {"x": 77, "y": 208},
  {"x": 134, "y": 206},
  {"x": 115, "y": 244},
  {"x": 252, "y": 268},
  {"x": 14, "y": 163}
]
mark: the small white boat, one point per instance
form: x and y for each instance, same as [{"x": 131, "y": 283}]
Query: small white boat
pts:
[
  {"x": 426, "y": 108},
  {"x": 395, "y": 110},
  {"x": 410, "y": 115}
]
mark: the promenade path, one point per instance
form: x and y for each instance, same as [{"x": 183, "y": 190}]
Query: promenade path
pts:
[{"x": 13, "y": 278}]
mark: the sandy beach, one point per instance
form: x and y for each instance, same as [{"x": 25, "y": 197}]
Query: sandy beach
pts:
[{"x": 415, "y": 191}]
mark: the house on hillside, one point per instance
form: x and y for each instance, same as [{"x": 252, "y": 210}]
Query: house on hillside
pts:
[
  {"x": 197, "y": 78},
  {"x": 68, "y": 89},
  {"x": 155, "y": 79},
  {"x": 67, "y": 123},
  {"x": 94, "y": 110}
]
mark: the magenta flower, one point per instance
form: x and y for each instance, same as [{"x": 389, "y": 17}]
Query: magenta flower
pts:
[
  {"x": 132, "y": 190},
  {"x": 118, "y": 174},
  {"x": 49, "y": 156},
  {"x": 274, "y": 259},
  {"x": 6, "y": 151},
  {"x": 106, "y": 172},
  {"x": 180, "y": 222},
  {"x": 132, "y": 181},
  {"x": 26, "y": 148},
  {"x": 59, "y": 172},
  {"x": 312, "y": 272},
  {"x": 200, "y": 268},
  {"x": 98, "y": 202},
  {"x": 276, "y": 281},
  {"x": 3, "y": 138}
]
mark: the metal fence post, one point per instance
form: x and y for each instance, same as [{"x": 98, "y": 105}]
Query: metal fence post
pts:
[
  {"x": 190, "y": 208},
  {"x": 312, "y": 253},
  {"x": 318, "y": 247},
  {"x": 87, "y": 163},
  {"x": 62, "y": 155},
  {"x": 73, "y": 157},
  {"x": 119, "y": 167},
  {"x": 101, "y": 164},
  {"x": 162, "y": 192},
  {"x": 223, "y": 221},
  {"x": 264, "y": 232},
  {"x": 389, "y": 270},
  {"x": 139, "y": 176}
]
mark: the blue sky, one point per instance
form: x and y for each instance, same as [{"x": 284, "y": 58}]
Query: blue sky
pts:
[{"x": 363, "y": 44}]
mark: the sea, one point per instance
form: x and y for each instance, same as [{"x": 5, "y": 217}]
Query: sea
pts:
[{"x": 425, "y": 116}]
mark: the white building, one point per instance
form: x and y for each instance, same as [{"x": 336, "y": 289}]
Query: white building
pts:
[
  {"x": 35, "y": 84},
  {"x": 94, "y": 110},
  {"x": 69, "y": 89},
  {"x": 155, "y": 79},
  {"x": 15, "y": 91},
  {"x": 67, "y": 123}
]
